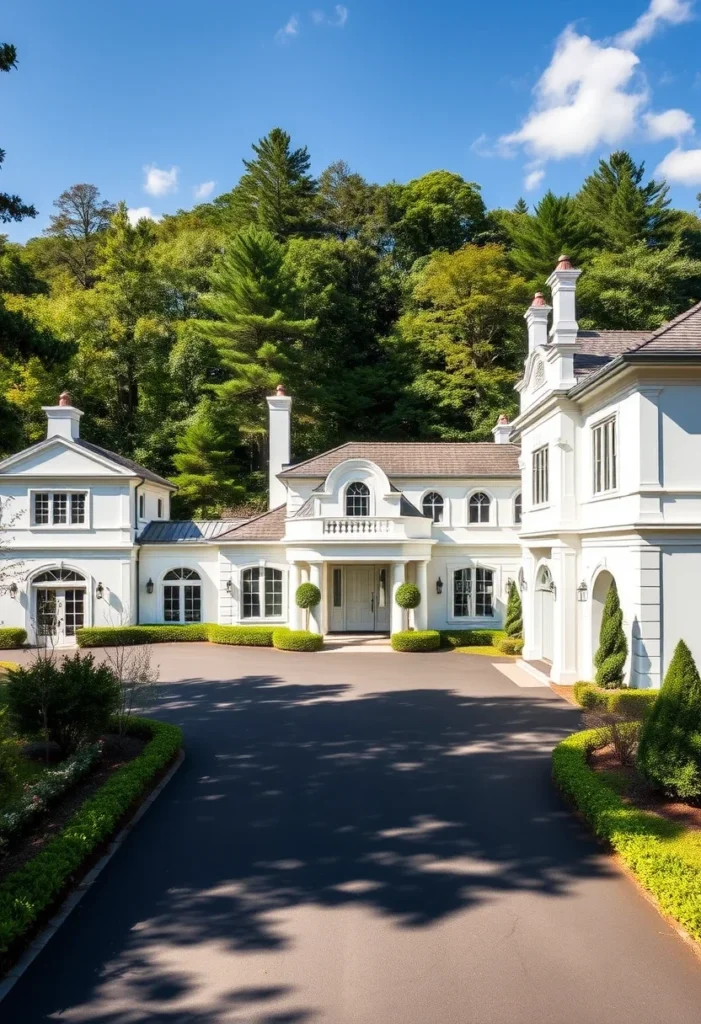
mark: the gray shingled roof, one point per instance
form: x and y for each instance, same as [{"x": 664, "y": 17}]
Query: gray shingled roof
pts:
[
  {"x": 125, "y": 463},
  {"x": 683, "y": 334},
  {"x": 186, "y": 531},
  {"x": 417, "y": 458},
  {"x": 268, "y": 526}
]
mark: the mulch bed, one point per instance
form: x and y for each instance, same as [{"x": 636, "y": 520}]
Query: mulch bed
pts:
[
  {"x": 117, "y": 751},
  {"x": 635, "y": 790}
]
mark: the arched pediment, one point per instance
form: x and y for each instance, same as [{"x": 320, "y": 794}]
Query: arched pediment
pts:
[{"x": 362, "y": 470}]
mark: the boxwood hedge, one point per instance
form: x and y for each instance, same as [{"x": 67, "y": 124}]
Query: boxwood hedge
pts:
[
  {"x": 26, "y": 894},
  {"x": 11, "y": 637},
  {"x": 416, "y": 641},
  {"x": 636, "y": 703},
  {"x": 470, "y": 637},
  {"x": 110, "y": 636},
  {"x": 297, "y": 640},
  {"x": 664, "y": 856},
  {"x": 509, "y": 644}
]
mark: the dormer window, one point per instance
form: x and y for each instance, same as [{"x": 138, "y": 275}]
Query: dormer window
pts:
[
  {"x": 433, "y": 506},
  {"x": 480, "y": 505},
  {"x": 358, "y": 499}
]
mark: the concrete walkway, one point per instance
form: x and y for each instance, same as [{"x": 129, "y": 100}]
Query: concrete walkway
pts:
[{"x": 360, "y": 840}]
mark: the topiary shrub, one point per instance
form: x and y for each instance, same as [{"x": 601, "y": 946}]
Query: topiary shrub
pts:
[
  {"x": 416, "y": 641},
  {"x": 634, "y": 704},
  {"x": 513, "y": 626},
  {"x": 669, "y": 755},
  {"x": 241, "y": 636},
  {"x": 509, "y": 644},
  {"x": 589, "y": 695},
  {"x": 11, "y": 637},
  {"x": 307, "y": 597},
  {"x": 408, "y": 595},
  {"x": 611, "y": 656},
  {"x": 130, "y": 636},
  {"x": 297, "y": 640},
  {"x": 470, "y": 637}
]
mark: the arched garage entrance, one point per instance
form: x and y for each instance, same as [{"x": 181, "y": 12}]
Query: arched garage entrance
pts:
[{"x": 545, "y": 612}]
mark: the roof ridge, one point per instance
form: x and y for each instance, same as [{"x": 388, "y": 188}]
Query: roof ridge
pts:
[
  {"x": 330, "y": 451},
  {"x": 696, "y": 308}
]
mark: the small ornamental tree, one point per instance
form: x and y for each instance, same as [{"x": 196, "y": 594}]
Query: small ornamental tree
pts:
[
  {"x": 669, "y": 755},
  {"x": 513, "y": 626},
  {"x": 308, "y": 596},
  {"x": 408, "y": 595},
  {"x": 613, "y": 646}
]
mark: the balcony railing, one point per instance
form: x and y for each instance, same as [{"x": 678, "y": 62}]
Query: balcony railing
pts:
[{"x": 358, "y": 526}]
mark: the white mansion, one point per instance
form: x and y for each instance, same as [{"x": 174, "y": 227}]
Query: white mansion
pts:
[{"x": 599, "y": 478}]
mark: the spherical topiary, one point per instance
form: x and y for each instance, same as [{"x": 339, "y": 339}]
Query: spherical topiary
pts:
[
  {"x": 513, "y": 626},
  {"x": 308, "y": 595},
  {"x": 408, "y": 595},
  {"x": 613, "y": 647}
]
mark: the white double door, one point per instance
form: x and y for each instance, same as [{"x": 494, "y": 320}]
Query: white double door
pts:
[
  {"x": 366, "y": 598},
  {"x": 59, "y": 613}
]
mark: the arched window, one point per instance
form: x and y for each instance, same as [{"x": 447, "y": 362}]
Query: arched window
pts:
[
  {"x": 182, "y": 596},
  {"x": 261, "y": 589},
  {"x": 479, "y": 508},
  {"x": 518, "y": 509},
  {"x": 433, "y": 506},
  {"x": 59, "y": 576},
  {"x": 357, "y": 499}
]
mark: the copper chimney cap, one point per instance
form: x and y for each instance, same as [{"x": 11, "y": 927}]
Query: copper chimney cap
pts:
[
  {"x": 64, "y": 398},
  {"x": 564, "y": 263}
]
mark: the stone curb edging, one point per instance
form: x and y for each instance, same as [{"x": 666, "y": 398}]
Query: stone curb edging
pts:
[{"x": 74, "y": 898}]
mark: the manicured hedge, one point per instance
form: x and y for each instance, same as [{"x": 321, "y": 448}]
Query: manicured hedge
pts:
[
  {"x": 664, "y": 856},
  {"x": 470, "y": 637},
  {"x": 110, "y": 636},
  {"x": 416, "y": 641},
  {"x": 27, "y": 893},
  {"x": 509, "y": 644},
  {"x": 11, "y": 637},
  {"x": 241, "y": 636},
  {"x": 297, "y": 640},
  {"x": 625, "y": 700}
]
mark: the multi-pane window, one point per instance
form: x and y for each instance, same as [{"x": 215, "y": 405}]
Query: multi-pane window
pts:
[
  {"x": 479, "y": 508},
  {"x": 472, "y": 593},
  {"x": 261, "y": 588},
  {"x": 358, "y": 499},
  {"x": 518, "y": 509},
  {"x": 58, "y": 508},
  {"x": 182, "y": 596},
  {"x": 539, "y": 481},
  {"x": 604, "y": 456},
  {"x": 433, "y": 506}
]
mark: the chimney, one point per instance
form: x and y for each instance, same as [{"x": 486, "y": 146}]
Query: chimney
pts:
[
  {"x": 537, "y": 319},
  {"x": 563, "y": 284},
  {"x": 63, "y": 420},
  {"x": 502, "y": 431},
  {"x": 279, "y": 409}
]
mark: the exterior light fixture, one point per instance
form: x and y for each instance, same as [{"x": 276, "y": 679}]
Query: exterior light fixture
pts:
[
  {"x": 99, "y": 591},
  {"x": 149, "y": 586},
  {"x": 522, "y": 585},
  {"x": 582, "y": 591},
  {"x": 14, "y": 590},
  {"x": 439, "y": 586},
  {"x": 229, "y": 587}
]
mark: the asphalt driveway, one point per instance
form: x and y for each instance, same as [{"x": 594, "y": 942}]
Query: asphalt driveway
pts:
[{"x": 359, "y": 839}]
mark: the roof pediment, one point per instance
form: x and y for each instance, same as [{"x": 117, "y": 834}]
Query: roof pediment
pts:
[{"x": 59, "y": 457}]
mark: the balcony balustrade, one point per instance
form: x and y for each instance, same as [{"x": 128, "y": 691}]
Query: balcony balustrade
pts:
[{"x": 358, "y": 526}]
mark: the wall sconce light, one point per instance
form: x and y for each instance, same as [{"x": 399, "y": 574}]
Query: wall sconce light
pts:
[
  {"x": 522, "y": 585},
  {"x": 439, "y": 586},
  {"x": 553, "y": 589},
  {"x": 229, "y": 587},
  {"x": 14, "y": 590},
  {"x": 149, "y": 586},
  {"x": 582, "y": 591},
  {"x": 99, "y": 591}
]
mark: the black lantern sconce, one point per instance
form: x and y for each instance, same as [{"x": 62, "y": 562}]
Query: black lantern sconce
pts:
[
  {"x": 582, "y": 591},
  {"x": 439, "y": 586},
  {"x": 14, "y": 590},
  {"x": 229, "y": 587},
  {"x": 99, "y": 591},
  {"x": 149, "y": 586}
]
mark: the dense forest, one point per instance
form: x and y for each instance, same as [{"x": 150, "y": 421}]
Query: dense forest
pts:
[{"x": 389, "y": 311}]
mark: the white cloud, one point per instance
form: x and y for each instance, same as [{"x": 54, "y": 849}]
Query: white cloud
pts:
[
  {"x": 337, "y": 20},
  {"x": 586, "y": 98},
  {"x": 159, "y": 182},
  {"x": 482, "y": 146},
  {"x": 682, "y": 166},
  {"x": 137, "y": 213},
  {"x": 533, "y": 179},
  {"x": 659, "y": 13},
  {"x": 204, "y": 190},
  {"x": 671, "y": 124},
  {"x": 288, "y": 31}
]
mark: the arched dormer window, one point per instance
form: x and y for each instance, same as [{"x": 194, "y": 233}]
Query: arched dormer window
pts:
[
  {"x": 182, "y": 596},
  {"x": 518, "y": 509},
  {"x": 358, "y": 499},
  {"x": 480, "y": 505},
  {"x": 433, "y": 506}
]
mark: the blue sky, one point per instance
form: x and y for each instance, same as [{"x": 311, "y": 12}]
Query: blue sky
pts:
[{"x": 152, "y": 100}]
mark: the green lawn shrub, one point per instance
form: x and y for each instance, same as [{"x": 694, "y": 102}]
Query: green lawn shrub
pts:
[
  {"x": 408, "y": 595},
  {"x": 669, "y": 756},
  {"x": 416, "y": 641},
  {"x": 297, "y": 640},
  {"x": 128, "y": 636},
  {"x": 470, "y": 637},
  {"x": 241, "y": 636},
  {"x": 664, "y": 856},
  {"x": 513, "y": 624},
  {"x": 509, "y": 644},
  {"x": 634, "y": 704},
  {"x": 10, "y": 637},
  {"x": 26, "y": 894}
]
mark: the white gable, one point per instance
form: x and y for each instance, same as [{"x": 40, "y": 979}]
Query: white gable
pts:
[{"x": 58, "y": 458}]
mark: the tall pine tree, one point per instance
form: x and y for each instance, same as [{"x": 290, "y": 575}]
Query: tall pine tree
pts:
[{"x": 539, "y": 239}]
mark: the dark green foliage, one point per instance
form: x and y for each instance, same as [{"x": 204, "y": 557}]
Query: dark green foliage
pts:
[
  {"x": 611, "y": 656},
  {"x": 26, "y": 895},
  {"x": 408, "y": 595},
  {"x": 670, "y": 746},
  {"x": 11, "y": 637},
  {"x": 308, "y": 595},
  {"x": 539, "y": 239},
  {"x": 70, "y": 703},
  {"x": 129, "y": 636},
  {"x": 11, "y": 207},
  {"x": 470, "y": 637},
  {"x": 513, "y": 626},
  {"x": 297, "y": 640},
  {"x": 416, "y": 641}
]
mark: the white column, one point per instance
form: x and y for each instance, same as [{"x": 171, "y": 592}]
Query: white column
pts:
[
  {"x": 398, "y": 577},
  {"x": 293, "y": 613},
  {"x": 528, "y": 595},
  {"x": 315, "y": 613},
  {"x": 421, "y": 613},
  {"x": 564, "y": 565}
]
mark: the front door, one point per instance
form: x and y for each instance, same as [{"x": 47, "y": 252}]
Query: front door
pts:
[
  {"x": 360, "y": 611},
  {"x": 59, "y": 614}
]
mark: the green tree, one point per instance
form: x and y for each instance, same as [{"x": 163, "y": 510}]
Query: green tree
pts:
[
  {"x": 81, "y": 219},
  {"x": 205, "y": 465},
  {"x": 437, "y": 211},
  {"x": 514, "y": 613},
  {"x": 539, "y": 239},
  {"x": 11, "y": 207},
  {"x": 619, "y": 208},
  {"x": 611, "y": 655},
  {"x": 521, "y": 206},
  {"x": 346, "y": 203},
  {"x": 669, "y": 755}
]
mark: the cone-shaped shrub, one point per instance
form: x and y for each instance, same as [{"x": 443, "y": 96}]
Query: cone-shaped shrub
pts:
[
  {"x": 514, "y": 613},
  {"x": 613, "y": 647},
  {"x": 669, "y": 755}
]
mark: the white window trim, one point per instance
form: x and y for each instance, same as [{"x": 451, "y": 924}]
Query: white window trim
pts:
[
  {"x": 514, "y": 496},
  {"x": 49, "y": 527},
  {"x": 261, "y": 620},
  {"x": 493, "y": 519},
  {"x": 608, "y": 492},
  {"x": 344, "y": 506},
  {"x": 468, "y": 621},
  {"x": 446, "y": 521},
  {"x": 163, "y": 582},
  {"x": 539, "y": 504}
]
